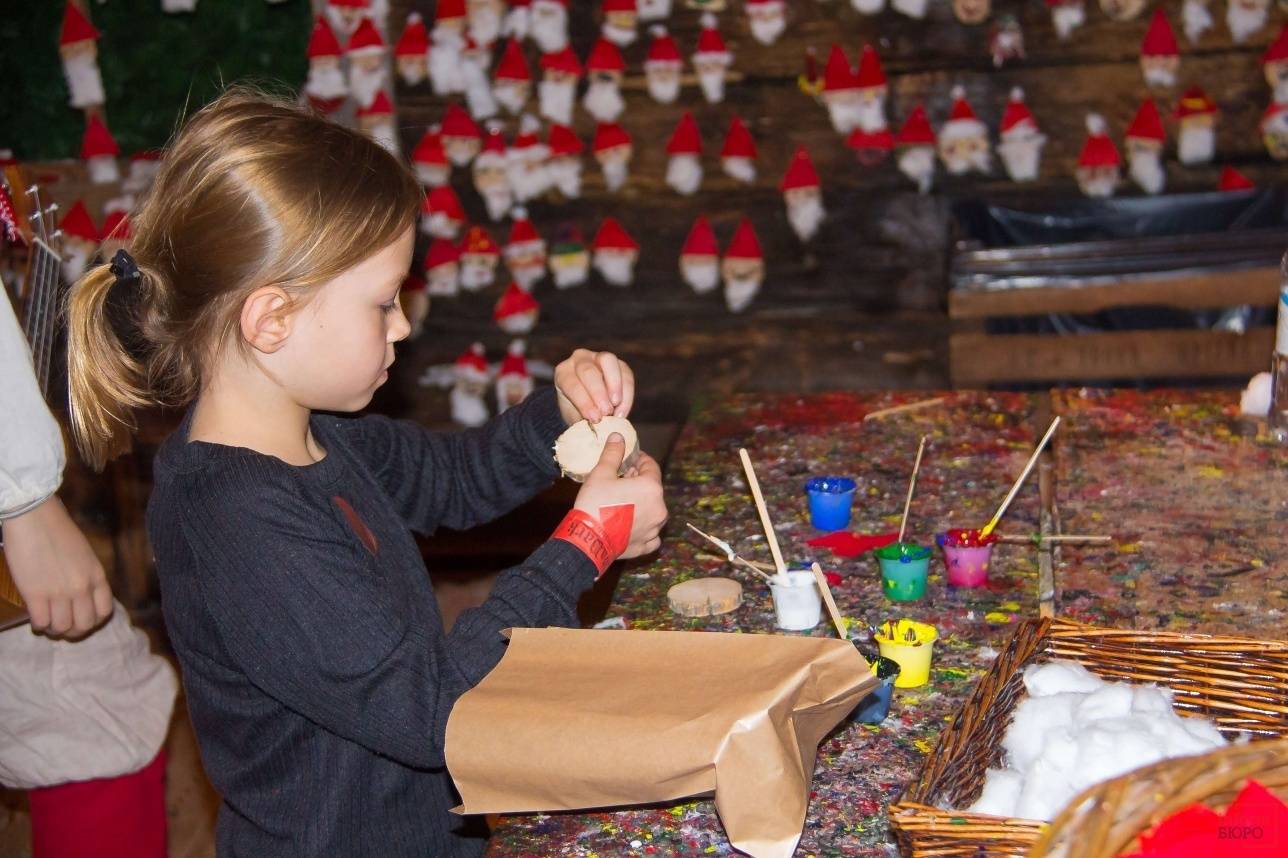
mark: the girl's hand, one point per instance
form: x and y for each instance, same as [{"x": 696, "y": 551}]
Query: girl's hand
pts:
[
  {"x": 593, "y": 385},
  {"x": 641, "y": 487}
]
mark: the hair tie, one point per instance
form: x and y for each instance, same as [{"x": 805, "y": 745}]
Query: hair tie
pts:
[{"x": 123, "y": 267}]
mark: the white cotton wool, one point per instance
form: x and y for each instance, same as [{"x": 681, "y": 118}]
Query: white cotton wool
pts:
[
  {"x": 1056, "y": 677},
  {"x": 1151, "y": 700},
  {"x": 1109, "y": 701},
  {"x": 1115, "y": 746},
  {"x": 1045, "y": 792},
  {"x": 1001, "y": 792},
  {"x": 1034, "y": 718}
]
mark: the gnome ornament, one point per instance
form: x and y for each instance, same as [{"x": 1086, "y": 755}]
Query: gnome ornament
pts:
[
  {"x": 516, "y": 311},
  {"x": 1233, "y": 180},
  {"x": 479, "y": 258},
  {"x": 429, "y": 159},
  {"x": 614, "y": 253},
  {"x": 620, "y": 22},
  {"x": 912, "y": 8},
  {"x": 684, "y": 156},
  {"x": 441, "y": 213},
  {"x": 377, "y": 121},
  {"x": 1196, "y": 135},
  {"x": 871, "y": 82},
  {"x": 99, "y": 151},
  {"x": 549, "y": 25},
  {"x": 346, "y": 15},
  {"x": 915, "y": 144},
  {"x": 700, "y": 258},
  {"x": 564, "y": 165},
  {"x": 1067, "y": 16},
  {"x": 711, "y": 60},
  {"x": 513, "y": 382},
  {"x": 870, "y": 147},
  {"x": 612, "y": 148},
  {"x": 738, "y": 155},
  {"x": 1245, "y": 17},
  {"x": 525, "y": 161},
  {"x": 972, "y": 11},
  {"x": 461, "y": 136},
  {"x": 512, "y": 81},
  {"x": 963, "y": 139},
  {"x": 78, "y": 47},
  {"x": 484, "y": 19},
  {"x": 1274, "y": 65},
  {"x": 411, "y": 53},
  {"x": 662, "y": 66},
  {"x": 802, "y": 196},
  {"x": 557, "y": 92},
  {"x": 415, "y": 304},
  {"x": 1144, "y": 143},
  {"x": 1123, "y": 10},
  {"x": 325, "y": 86},
  {"x": 767, "y": 19},
  {"x": 1160, "y": 58},
  {"x": 868, "y": 7},
  {"x": 518, "y": 20},
  {"x": 490, "y": 178},
  {"x": 604, "y": 66},
  {"x": 471, "y": 375},
  {"x": 1006, "y": 41},
  {"x": 1274, "y": 130},
  {"x": 654, "y": 10},
  {"x": 841, "y": 93},
  {"x": 445, "y": 56},
  {"x": 569, "y": 259},
  {"x": 1196, "y": 18},
  {"x": 743, "y": 268},
  {"x": 1020, "y": 146},
  {"x": 442, "y": 269},
  {"x": 525, "y": 251},
  {"x": 1099, "y": 168},
  {"x": 366, "y": 52},
  {"x": 80, "y": 240},
  {"x": 479, "y": 93},
  {"x": 116, "y": 225}
]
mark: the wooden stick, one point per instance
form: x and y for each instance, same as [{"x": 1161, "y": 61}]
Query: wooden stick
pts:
[
  {"x": 899, "y": 409},
  {"x": 1033, "y": 460},
  {"x": 912, "y": 483},
  {"x": 1070, "y": 538},
  {"x": 779, "y": 565},
  {"x": 730, "y": 555},
  {"x": 826, "y": 591}
]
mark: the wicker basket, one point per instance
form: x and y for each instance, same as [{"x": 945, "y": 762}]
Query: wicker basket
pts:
[
  {"x": 1240, "y": 684},
  {"x": 1105, "y": 820}
]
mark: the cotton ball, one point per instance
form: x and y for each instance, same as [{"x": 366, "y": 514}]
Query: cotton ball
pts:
[
  {"x": 1111, "y": 701},
  {"x": 1055, "y": 677},
  {"x": 1255, "y": 400},
  {"x": 1045, "y": 793},
  {"x": 1113, "y": 747},
  {"x": 1034, "y": 717},
  {"x": 1060, "y": 751},
  {"x": 1001, "y": 793},
  {"x": 1205, "y": 731},
  {"x": 1151, "y": 700}
]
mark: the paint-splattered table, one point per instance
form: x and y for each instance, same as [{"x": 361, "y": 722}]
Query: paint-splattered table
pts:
[{"x": 1166, "y": 470}]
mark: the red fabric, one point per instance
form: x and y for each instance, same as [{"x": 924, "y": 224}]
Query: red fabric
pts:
[
  {"x": 846, "y": 544},
  {"x": 121, "y": 817}
]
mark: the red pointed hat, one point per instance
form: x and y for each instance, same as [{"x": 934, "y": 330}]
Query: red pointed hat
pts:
[
  {"x": 1195, "y": 102},
  {"x": 870, "y": 74},
  {"x": 838, "y": 74},
  {"x": 563, "y": 141},
  {"x": 514, "y": 363},
  {"x": 97, "y": 140},
  {"x": 379, "y": 106},
  {"x": 512, "y": 66},
  {"x": 800, "y": 172},
  {"x": 365, "y": 39},
  {"x": 1278, "y": 50},
  {"x": 1147, "y": 125},
  {"x": 962, "y": 110},
  {"x": 351, "y": 4},
  {"x": 709, "y": 40},
  {"x": 744, "y": 244},
  {"x": 619, "y": 6},
  {"x": 449, "y": 10},
  {"x": 916, "y": 130},
  {"x": 611, "y": 236},
  {"x": 458, "y": 123},
  {"x": 604, "y": 56},
  {"x": 322, "y": 41},
  {"x": 738, "y": 143},
  {"x": 1233, "y": 180},
  {"x": 663, "y": 48},
  {"x": 1017, "y": 113},
  {"x": 442, "y": 251},
  {"x": 78, "y": 224},
  {"x": 562, "y": 61},
  {"x": 1099, "y": 150},
  {"x": 414, "y": 40},
  {"x": 443, "y": 200},
  {"x": 116, "y": 226},
  {"x": 514, "y": 301},
  {"x": 76, "y": 27},
  {"x": 609, "y": 135},
  {"x": 479, "y": 241},
  {"x": 1272, "y": 112},
  {"x": 473, "y": 360},
  {"x": 1159, "y": 39},
  {"x": 430, "y": 149},
  {"x": 701, "y": 240},
  {"x": 521, "y": 229},
  {"x": 493, "y": 143},
  {"x": 685, "y": 139},
  {"x": 882, "y": 140}
]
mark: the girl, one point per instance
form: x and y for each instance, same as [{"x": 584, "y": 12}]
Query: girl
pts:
[{"x": 263, "y": 287}]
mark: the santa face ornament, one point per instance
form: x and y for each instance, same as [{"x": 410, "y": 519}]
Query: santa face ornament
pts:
[
  {"x": 963, "y": 152},
  {"x": 77, "y": 252},
  {"x": 557, "y": 93},
  {"x": 564, "y": 172},
  {"x": 485, "y": 18},
  {"x": 742, "y": 281},
  {"x": 663, "y": 81},
  {"x": 845, "y": 109},
  {"x": 653, "y": 10},
  {"x": 616, "y": 265},
  {"x": 1276, "y": 73},
  {"x": 443, "y": 280},
  {"x": 1245, "y": 17},
  {"x": 1007, "y": 41},
  {"x": 549, "y": 27},
  {"x": 1021, "y": 153},
  {"x": 80, "y": 67},
  {"x": 478, "y": 270},
  {"x": 805, "y": 211},
  {"x": 1196, "y": 18},
  {"x": 1274, "y": 131},
  {"x": 1123, "y": 10},
  {"x": 1196, "y": 139},
  {"x": 569, "y": 266},
  {"x": 684, "y": 173},
  {"x": 972, "y": 11},
  {"x": 711, "y": 76},
  {"x": 1145, "y": 164},
  {"x": 603, "y": 98},
  {"x": 445, "y": 61},
  {"x": 700, "y": 271},
  {"x": 620, "y": 27},
  {"x": 918, "y": 164},
  {"x": 1160, "y": 71},
  {"x": 869, "y": 109},
  {"x": 527, "y": 264},
  {"x": 468, "y": 408},
  {"x": 1098, "y": 182},
  {"x": 615, "y": 164},
  {"x": 767, "y": 20},
  {"x": 493, "y": 186},
  {"x": 1067, "y": 16},
  {"x": 325, "y": 86},
  {"x": 511, "y": 94},
  {"x": 526, "y": 172}
]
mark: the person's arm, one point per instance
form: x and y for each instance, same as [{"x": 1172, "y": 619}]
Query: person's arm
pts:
[{"x": 31, "y": 448}]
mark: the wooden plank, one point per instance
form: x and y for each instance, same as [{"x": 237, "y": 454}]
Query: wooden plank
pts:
[
  {"x": 1258, "y": 286},
  {"x": 978, "y": 359}
]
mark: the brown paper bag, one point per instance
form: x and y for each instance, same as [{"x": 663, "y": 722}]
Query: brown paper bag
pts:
[{"x": 579, "y": 718}]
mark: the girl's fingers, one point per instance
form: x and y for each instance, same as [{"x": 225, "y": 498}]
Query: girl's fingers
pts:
[
  {"x": 60, "y": 616},
  {"x": 623, "y": 408},
  {"x": 612, "y": 370},
  {"x": 592, "y": 378},
  {"x": 102, "y": 602}
]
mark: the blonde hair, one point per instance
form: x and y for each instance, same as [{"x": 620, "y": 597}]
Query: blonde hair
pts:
[{"x": 254, "y": 191}]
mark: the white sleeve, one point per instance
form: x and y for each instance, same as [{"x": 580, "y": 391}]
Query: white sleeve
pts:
[{"x": 31, "y": 446}]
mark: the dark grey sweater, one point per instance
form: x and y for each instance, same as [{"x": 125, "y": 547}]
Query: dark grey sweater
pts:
[{"x": 317, "y": 673}]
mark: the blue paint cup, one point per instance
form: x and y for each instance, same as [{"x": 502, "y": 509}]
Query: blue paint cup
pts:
[{"x": 830, "y": 499}]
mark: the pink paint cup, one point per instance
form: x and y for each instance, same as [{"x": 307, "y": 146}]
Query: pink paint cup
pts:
[{"x": 966, "y": 556}]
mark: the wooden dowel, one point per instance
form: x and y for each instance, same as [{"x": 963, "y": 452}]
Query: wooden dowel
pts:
[
  {"x": 1033, "y": 460},
  {"x": 912, "y": 483},
  {"x": 729, "y": 553},
  {"x": 826, "y": 592},
  {"x": 768, "y": 525},
  {"x": 1074, "y": 539},
  {"x": 900, "y": 409}
]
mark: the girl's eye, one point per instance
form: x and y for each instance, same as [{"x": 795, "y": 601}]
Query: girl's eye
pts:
[{"x": 389, "y": 307}]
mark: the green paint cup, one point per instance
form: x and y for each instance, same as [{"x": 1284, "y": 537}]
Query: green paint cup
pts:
[{"x": 903, "y": 571}]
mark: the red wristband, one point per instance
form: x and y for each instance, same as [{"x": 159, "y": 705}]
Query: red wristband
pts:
[{"x": 601, "y": 539}]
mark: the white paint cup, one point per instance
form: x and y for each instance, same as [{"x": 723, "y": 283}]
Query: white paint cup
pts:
[{"x": 797, "y": 603}]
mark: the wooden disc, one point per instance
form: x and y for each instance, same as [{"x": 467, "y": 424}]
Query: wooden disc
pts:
[
  {"x": 705, "y": 597},
  {"x": 578, "y": 449}
]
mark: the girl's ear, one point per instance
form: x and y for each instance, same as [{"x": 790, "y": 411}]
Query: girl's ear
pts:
[{"x": 266, "y": 319}]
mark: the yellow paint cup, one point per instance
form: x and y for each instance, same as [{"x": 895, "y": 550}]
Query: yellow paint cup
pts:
[{"x": 913, "y": 656}]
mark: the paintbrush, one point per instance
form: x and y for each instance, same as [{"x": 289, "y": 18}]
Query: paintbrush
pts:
[
  {"x": 912, "y": 484},
  {"x": 730, "y": 554},
  {"x": 1010, "y": 496}
]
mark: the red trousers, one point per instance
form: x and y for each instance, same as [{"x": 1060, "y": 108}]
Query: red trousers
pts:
[{"x": 121, "y": 817}]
